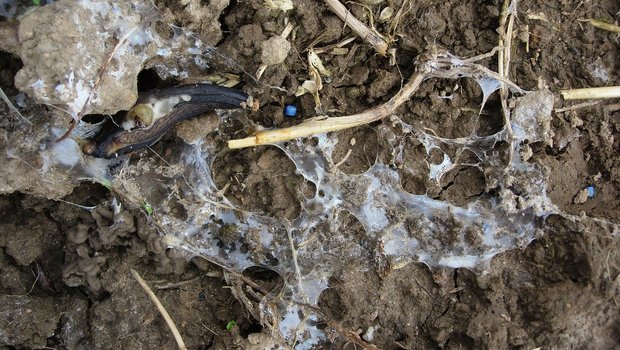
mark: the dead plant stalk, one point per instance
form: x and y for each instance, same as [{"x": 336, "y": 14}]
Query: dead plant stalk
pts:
[
  {"x": 370, "y": 35},
  {"x": 324, "y": 124},
  {"x": 433, "y": 65},
  {"x": 591, "y": 93},
  {"x": 506, "y": 25}
]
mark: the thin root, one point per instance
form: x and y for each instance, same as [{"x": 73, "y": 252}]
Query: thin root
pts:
[
  {"x": 6, "y": 99},
  {"x": 320, "y": 50},
  {"x": 577, "y": 106},
  {"x": 172, "y": 285},
  {"x": 160, "y": 308},
  {"x": 602, "y": 25},
  {"x": 346, "y": 156}
]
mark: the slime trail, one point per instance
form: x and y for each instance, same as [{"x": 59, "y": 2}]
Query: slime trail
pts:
[{"x": 399, "y": 226}]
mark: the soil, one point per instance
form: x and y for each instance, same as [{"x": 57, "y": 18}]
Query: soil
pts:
[{"x": 65, "y": 279}]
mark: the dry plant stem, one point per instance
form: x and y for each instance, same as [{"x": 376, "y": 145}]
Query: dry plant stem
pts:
[
  {"x": 602, "y": 25},
  {"x": 577, "y": 106},
  {"x": 506, "y": 25},
  {"x": 160, "y": 307},
  {"x": 321, "y": 125},
  {"x": 435, "y": 64},
  {"x": 482, "y": 56},
  {"x": 328, "y": 48},
  {"x": 371, "y": 36},
  {"x": 6, "y": 99},
  {"x": 591, "y": 93}
]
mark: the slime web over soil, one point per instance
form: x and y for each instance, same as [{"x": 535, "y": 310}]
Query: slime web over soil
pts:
[
  {"x": 400, "y": 210},
  {"x": 399, "y": 227},
  {"x": 191, "y": 213}
]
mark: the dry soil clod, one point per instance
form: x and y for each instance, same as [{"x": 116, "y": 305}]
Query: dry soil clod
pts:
[
  {"x": 275, "y": 50},
  {"x": 104, "y": 67}
]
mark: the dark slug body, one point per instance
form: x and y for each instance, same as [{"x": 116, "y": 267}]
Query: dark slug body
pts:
[{"x": 112, "y": 140}]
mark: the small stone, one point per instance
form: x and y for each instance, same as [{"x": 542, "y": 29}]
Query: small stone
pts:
[
  {"x": 194, "y": 129},
  {"x": 581, "y": 197},
  {"x": 369, "y": 335}
]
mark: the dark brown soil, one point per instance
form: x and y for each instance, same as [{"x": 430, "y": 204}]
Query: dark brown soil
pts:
[{"x": 64, "y": 271}]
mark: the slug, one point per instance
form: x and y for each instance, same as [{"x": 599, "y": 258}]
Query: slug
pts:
[{"x": 157, "y": 111}]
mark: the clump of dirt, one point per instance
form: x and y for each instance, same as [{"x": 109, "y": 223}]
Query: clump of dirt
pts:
[
  {"x": 67, "y": 246},
  {"x": 274, "y": 50},
  {"x": 84, "y": 57},
  {"x": 260, "y": 180},
  {"x": 63, "y": 73}
]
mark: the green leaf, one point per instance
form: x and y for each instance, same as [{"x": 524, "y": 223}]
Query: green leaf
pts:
[
  {"x": 36, "y": 2},
  {"x": 230, "y": 325},
  {"x": 148, "y": 208},
  {"x": 106, "y": 183}
]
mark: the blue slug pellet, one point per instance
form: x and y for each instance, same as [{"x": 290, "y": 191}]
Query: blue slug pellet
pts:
[
  {"x": 290, "y": 111},
  {"x": 591, "y": 191}
]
